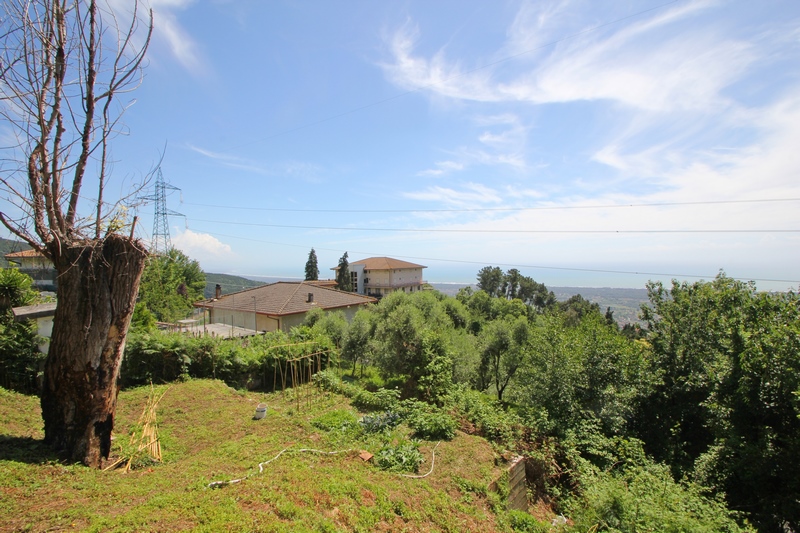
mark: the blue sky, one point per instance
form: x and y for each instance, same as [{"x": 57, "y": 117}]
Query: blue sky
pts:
[{"x": 581, "y": 142}]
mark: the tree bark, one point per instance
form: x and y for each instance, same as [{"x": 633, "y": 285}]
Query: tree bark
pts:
[{"x": 98, "y": 280}]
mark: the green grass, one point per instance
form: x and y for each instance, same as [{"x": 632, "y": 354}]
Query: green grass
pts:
[{"x": 208, "y": 434}]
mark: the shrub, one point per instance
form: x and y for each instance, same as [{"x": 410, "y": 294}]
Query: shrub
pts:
[
  {"x": 380, "y": 422},
  {"x": 403, "y": 457},
  {"x": 334, "y": 420},
  {"x": 427, "y": 421},
  {"x": 433, "y": 425},
  {"x": 486, "y": 414},
  {"x": 380, "y": 400},
  {"x": 525, "y": 523}
]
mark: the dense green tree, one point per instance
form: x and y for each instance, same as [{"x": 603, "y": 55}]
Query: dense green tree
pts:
[
  {"x": 580, "y": 373},
  {"x": 505, "y": 350},
  {"x": 312, "y": 268},
  {"x": 411, "y": 330},
  {"x": 755, "y": 415},
  {"x": 357, "y": 342},
  {"x": 511, "y": 284},
  {"x": 170, "y": 284},
  {"x": 725, "y": 403},
  {"x": 490, "y": 280},
  {"x": 535, "y": 294},
  {"x": 695, "y": 331},
  {"x": 332, "y": 324},
  {"x": 343, "y": 280},
  {"x": 577, "y": 307}
]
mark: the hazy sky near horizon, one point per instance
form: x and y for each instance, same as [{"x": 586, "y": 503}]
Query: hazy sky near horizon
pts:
[{"x": 584, "y": 142}]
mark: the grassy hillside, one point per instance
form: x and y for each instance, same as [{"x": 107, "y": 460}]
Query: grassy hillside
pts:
[
  {"x": 8, "y": 246},
  {"x": 208, "y": 434},
  {"x": 228, "y": 282}
]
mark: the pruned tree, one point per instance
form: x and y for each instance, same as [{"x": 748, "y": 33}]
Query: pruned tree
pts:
[
  {"x": 312, "y": 268},
  {"x": 64, "y": 66}
]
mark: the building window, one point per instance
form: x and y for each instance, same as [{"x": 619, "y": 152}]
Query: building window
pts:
[{"x": 354, "y": 279}]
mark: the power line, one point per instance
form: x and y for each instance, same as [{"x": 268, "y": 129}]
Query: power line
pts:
[
  {"x": 523, "y": 231},
  {"x": 497, "y": 209},
  {"x": 514, "y": 265}
]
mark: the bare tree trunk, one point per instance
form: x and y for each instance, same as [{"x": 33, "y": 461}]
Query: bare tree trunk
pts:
[{"x": 98, "y": 281}]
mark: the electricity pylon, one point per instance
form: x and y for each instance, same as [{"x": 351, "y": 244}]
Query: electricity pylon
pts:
[{"x": 161, "y": 240}]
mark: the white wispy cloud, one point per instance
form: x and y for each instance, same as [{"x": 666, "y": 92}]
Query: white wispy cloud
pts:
[
  {"x": 629, "y": 66},
  {"x": 170, "y": 35},
  {"x": 441, "y": 168},
  {"x": 472, "y": 194},
  {"x": 301, "y": 170}
]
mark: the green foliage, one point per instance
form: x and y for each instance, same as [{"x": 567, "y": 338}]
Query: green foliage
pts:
[
  {"x": 16, "y": 289},
  {"x": 505, "y": 349},
  {"x": 343, "y": 280},
  {"x": 338, "y": 419},
  {"x": 644, "y": 498},
  {"x": 402, "y": 457},
  {"x": 588, "y": 372},
  {"x": 523, "y": 522},
  {"x": 21, "y": 362},
  {"x": 429, "y": 422},
  {"x": 576, "y": 308},
  {"x": 513, "y": 285},
  {"x": 331, "y": 324},
  {"x": 164, "y": 357},
  {"x": 312, "y": 268},
  {"x": 408, "y": 341},
  {"x": 755, "y": 415},
  {"x": 170, "y": 284},
  {"x": 380, "y": 400},
  {"x": 379, "y": 422},
  {"x": 487, "y": 416},
  {"x": 356, "y": 345},
  {"x": 724, "y": 407},
  {"x": 490, "y": 280}
]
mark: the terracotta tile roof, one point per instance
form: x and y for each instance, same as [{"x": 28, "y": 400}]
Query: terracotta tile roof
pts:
[
  {"x": 23, "y": 253},
  {"x": 286, "y": 298},
  {"x": 385, "y": 263}
]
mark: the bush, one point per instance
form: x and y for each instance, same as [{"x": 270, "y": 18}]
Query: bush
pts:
[
  {"x": 433, "y": 425},
  {"x": 403, "y": 457},
  {"x": 334, "y": 420},
  {"x": 380, "y": 400},
  {"x": 251, "y": 362},
  {"x": 380, "y": 422},
  {"x": 525, "y": 523},
  {"x": 427, "y": 421},
  {"x": 486, "y": 414}
]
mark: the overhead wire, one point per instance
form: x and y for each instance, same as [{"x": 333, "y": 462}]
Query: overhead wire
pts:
[
  {"x": 530, "y": 231},
  {"x": 511, "y": 265},
  {"x": 494, "y": 209}
]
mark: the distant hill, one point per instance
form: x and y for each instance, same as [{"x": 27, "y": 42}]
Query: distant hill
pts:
[
  {"x": 625, "y": 303},
  {"x": 228, "y": 282},
  {"x": 7, "y": 246}
]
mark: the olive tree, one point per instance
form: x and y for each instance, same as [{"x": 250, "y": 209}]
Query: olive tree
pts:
[{"x": 64, "y": 68}]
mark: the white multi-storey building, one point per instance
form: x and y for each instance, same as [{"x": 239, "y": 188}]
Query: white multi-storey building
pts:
[{"x": 379, "y": 276}]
